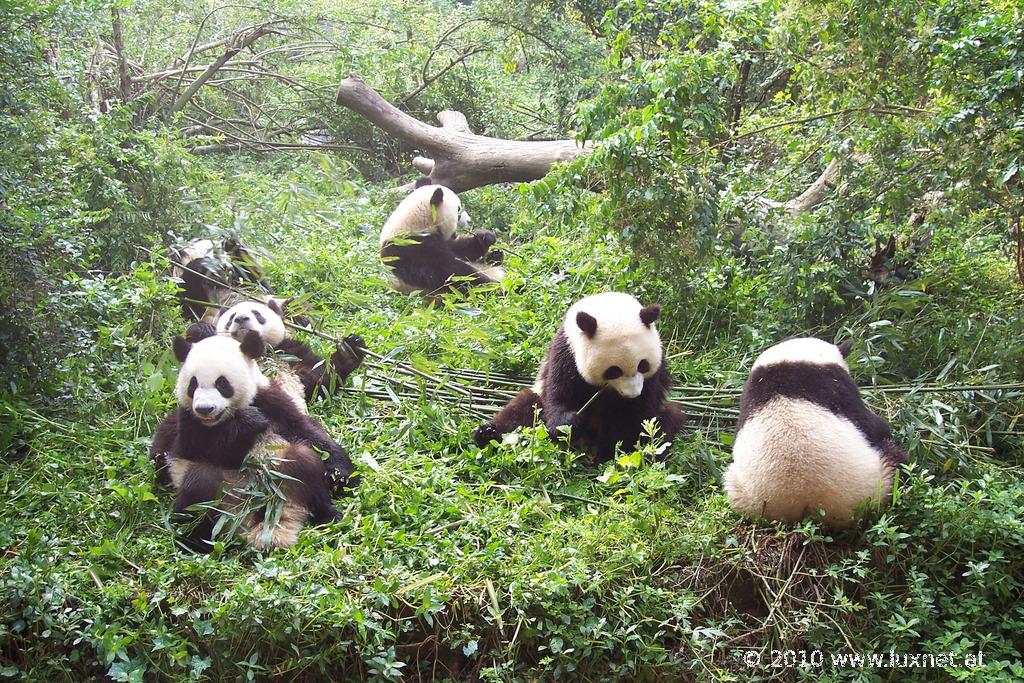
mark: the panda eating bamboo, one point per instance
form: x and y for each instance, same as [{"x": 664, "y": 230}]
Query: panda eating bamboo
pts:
[
  {"x": 317, "y": 376},
  {"x": 604, "y": 375},
  {"x": 230, "y": 414},
  {"x": 420, "y": 246}
]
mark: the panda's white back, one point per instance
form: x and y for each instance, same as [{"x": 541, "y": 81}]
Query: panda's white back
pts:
[{"x": 793, "y": 457}]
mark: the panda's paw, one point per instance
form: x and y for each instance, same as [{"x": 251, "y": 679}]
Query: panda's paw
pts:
[
  {"x": 563, "y": 425},
  {"x": 327, "y": 516},
  {"x": 348, "y": 354},
  {"x": 485, "y": 433},
  {"x": 251, "y": 420},
  {"x": 199, "y": 331},
  {"x": 485, "y": 237},
  {"x": 495, "y": 257},
  {"x": 343, "y": 483}
]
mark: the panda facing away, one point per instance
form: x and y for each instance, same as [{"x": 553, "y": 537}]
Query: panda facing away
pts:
[
  {"x": 420, "y": 245},
  {"x": 806, "y": 441},
  {"x": 267, "y": 320},
  {"x": 228, "y": 413},
  {"x": 603, "y": 375}
]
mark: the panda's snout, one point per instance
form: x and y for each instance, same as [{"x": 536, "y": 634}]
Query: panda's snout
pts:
[
  {"x": 629, "y": 387},
  {"x": 241, "y": 319},
  {"x": 205, "y": 411}
]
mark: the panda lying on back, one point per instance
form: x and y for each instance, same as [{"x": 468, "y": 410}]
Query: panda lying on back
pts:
[
  {"x": 604, "y": 374},
  {"x": 805, "y": 440},
  {"x": 229, "y": 412},
  {"x": 419, "y": 244},
  {"x": 268, "y": 321}
]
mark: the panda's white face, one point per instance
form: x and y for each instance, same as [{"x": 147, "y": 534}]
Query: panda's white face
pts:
[
  {"x": 250, "y": 315},
  {"x": 216, "y": 379},
  {"x": 802, "y": 350},
  {"x": 427, "y": 209},
  {"x": 614, "y": 341}
]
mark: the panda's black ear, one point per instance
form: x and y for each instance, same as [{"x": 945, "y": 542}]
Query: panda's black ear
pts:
[
  {"x": 252, "y": 344},
  {"x": 587, "y": 323},
  {"x": 181, "y": 348},
  {"x": 420, "y": 182},
  {"x": 648, "y": 314},
  {"x": 437, "y": 197},
  {"x": 275, "y": 307},
  {"x": 845, "y": 346}
]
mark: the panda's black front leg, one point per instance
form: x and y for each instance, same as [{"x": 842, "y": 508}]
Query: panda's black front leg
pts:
[
  {"x": 201, "y": 484},
  {"x": 296, "y": 426},
  {"x": 473, "y": 248}
]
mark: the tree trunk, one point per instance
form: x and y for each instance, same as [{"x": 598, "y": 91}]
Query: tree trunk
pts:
[{"x": 458, "y": 159}]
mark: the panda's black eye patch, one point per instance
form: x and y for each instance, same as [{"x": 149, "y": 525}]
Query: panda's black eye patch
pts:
[
  {"x": 231, "y": 319},
  {"x": 614, "y": 372},
  {"x": 259, "y": 317},
  {"x": 224, "y": 387},
  {"x": 643, "y": 367},
  {"x": 192, "y": 386}
]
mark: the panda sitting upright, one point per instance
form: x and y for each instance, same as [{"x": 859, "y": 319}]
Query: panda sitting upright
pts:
[
  {"x": 419, "y": 244},
  {"x": 805, "y": 440},
  {"x": 604, "y": 374},
  {"x": 229, "y": 412},
  {"x": 268, "y": 321}
]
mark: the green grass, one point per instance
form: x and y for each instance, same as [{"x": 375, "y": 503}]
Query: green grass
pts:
[{"x": 517, "y": 562}]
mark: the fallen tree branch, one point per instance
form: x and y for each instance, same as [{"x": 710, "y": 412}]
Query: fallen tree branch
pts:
[
  {"x": 458, "y": 158},
  {"x": 816, "y": 192}
]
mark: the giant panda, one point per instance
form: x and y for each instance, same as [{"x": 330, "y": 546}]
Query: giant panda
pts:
[
  {"x": 603, "y": 375},
  {"x": 206, "y": 271},
  {"x": 228, "y": 414},
  {"x": 805, "y": 440},
  {"x": 420, "y": 246},
  {"x": 268, "y": 321}
]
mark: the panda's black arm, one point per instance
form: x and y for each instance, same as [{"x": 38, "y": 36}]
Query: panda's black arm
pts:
[
  {"x": 199, "y": 331},
  {"x": 294, "y": 425},
  {"x": 309, "y": 366},
  {"x": 160, "y": 449},
  {"x": 315, "y": 372},
  {"x": 565, "y": 390},
  {"x": 474, "y": 247},
  {"x": 224, "y": 445}
]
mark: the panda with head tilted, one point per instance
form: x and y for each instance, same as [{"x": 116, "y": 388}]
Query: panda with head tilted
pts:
[
  {"x": 805, "y": 440},
  {"x": 603, "y": 375},
  {"x": 420, "y": 245},
  {"x": 229, "y": 413},
  {"x": 317, "y": 377}
]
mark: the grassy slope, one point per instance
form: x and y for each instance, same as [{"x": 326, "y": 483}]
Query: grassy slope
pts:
[{"x": 452, "y": 560}]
